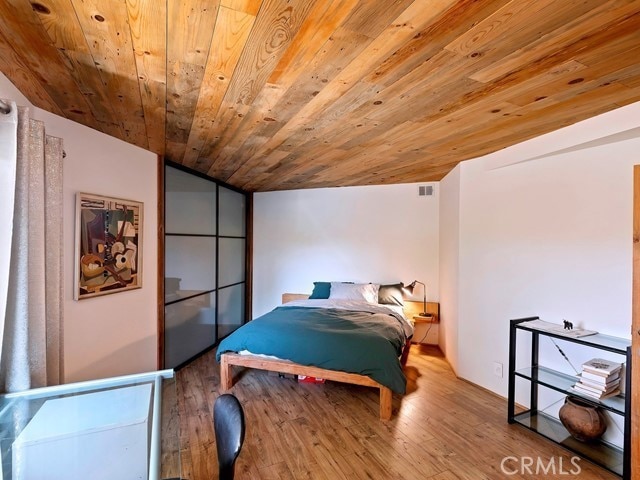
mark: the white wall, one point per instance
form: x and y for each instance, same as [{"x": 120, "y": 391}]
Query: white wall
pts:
[
  {"x": 379, "y": 234},
  {"x": 113, "y": 334},
  {"x": 449, "y": 271},
  {"x": 550, "y": 237}
]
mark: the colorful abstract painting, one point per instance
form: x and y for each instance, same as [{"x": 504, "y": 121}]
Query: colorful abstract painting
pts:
[{"x": 108, "y": 245}]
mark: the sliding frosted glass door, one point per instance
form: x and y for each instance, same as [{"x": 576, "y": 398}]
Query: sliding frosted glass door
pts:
[
  {"x": 205, "y": 252},
  {"x": 231, "y": 256}
]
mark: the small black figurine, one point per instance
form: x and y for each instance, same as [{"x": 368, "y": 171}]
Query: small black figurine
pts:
[{"x": 567, "y": 325}]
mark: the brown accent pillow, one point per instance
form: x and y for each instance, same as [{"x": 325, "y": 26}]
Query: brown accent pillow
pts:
[{"x": 391, "y": 294}]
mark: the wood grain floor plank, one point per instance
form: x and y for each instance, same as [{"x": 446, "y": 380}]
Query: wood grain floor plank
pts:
[
  {"x": 444, "y": 428},
  {"x": 393, "y": 453},
  {"x": 280, "y": 471}
]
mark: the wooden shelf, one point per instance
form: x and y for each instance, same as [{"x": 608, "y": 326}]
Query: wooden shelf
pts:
[
  {"x": 601, "y": 453},
  {"x": 413, "y": 309},
  {"x": 428, "y": 319},
  {"x": 561, "y": 382}
]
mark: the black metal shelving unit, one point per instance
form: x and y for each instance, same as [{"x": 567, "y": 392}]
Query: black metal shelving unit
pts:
[{"x": 604, "y": 454}]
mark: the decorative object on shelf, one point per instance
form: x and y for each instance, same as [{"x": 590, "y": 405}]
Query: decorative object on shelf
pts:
[
  {"x": 564, "y": 355},
  {"x": 409, "y": 289},
  {"x": 108, "y": 245},
  {"x": 585, "y": 422}
]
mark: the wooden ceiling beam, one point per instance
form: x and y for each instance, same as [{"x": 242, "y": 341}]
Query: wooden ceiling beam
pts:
[
  {"x": 106, "y": 29},
  {"x": 269, "y": 112},
  {"x": 272, "y": 33},
  {"x": 273, "y": 94},
  {"x": 229, "y": 37},
  {"x": 22, "y": 77},
  {"x": 147, "y": 21},
  {"x": 629, "y": 25},
  {"x": 346, "y": 85},
  {"x": 22, "y": 27},
  {"x": 190, "y": 28},
  {"x": 65, "y": 33}
]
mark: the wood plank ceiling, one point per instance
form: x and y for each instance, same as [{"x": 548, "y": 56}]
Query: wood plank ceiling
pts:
[{"x": 282, "y": 94}]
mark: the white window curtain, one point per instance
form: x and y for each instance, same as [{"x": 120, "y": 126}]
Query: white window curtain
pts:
[{"x": 31, "y": 276}]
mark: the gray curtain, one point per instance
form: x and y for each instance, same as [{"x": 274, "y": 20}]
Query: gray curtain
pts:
[{"x": 31, "y": 334}]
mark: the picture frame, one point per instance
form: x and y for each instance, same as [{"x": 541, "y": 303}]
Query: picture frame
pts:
[{"x": 108, "y": 249}]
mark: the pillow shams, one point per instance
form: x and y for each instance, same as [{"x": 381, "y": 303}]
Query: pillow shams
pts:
[
  {"x": 321, "y": 290},
  {"x": 391, "y": 294},
  {"x": 354, "y": 291}
]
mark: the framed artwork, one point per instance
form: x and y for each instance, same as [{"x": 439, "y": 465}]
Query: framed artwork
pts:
[{"x": 108, "y": 245}]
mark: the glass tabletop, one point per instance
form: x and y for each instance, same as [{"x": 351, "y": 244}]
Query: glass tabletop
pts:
[{"x": 124, "y": 427}]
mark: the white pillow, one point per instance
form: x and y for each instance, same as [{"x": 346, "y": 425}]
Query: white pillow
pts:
[{"x": 367, "y": 292}]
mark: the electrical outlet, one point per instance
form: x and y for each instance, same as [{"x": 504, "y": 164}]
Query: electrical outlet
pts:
[{"x": 497, "y": 369}]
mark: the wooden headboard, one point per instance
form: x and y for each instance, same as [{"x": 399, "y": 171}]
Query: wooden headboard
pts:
[
  {"x": 411, "y": 308},
  {"x": 290, "y": 297}
]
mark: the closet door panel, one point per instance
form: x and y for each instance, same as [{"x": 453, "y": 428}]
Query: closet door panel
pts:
[
  {"x": 190, "y": 204},
  {"x": 232, "y": 213},
  {"x": 190, "y": 327},
  {"x": 232, "y": 260},
  {"x": 190, "y": 263},
  {"x": 230, "y": 309},
  {"x": 205, "y": 254}
]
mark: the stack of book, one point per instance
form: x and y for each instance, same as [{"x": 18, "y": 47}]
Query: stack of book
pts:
[{"x": 599, "y": 379}]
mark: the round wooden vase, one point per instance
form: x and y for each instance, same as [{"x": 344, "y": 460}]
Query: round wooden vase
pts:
[{"x": 584, "y": 422}]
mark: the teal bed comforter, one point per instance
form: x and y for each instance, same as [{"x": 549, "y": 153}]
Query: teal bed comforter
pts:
[{"x": 351, "y": 341}]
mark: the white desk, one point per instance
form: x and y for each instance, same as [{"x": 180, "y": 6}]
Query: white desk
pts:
[{"x": 97, "y": 430}]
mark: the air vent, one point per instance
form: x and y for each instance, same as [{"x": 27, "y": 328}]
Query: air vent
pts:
[{"x": 425, "y": 190}]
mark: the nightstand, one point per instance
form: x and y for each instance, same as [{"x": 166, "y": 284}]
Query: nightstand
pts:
[{"x": 425, "y": 328}]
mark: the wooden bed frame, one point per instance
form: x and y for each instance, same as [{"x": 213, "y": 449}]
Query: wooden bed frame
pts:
[{"x": 228, "y": 360}]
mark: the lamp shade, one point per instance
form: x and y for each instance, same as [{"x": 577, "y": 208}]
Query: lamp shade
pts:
[{"x": 409, "y": 288}]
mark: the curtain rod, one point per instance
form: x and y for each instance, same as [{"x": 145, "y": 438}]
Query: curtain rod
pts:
[{"x": 4, "y": 107}]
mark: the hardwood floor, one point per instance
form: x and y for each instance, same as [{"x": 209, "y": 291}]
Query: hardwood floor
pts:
[{"x": 442, "y": 429}]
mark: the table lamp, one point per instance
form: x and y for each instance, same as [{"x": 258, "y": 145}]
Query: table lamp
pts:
[{"x": 409, "y": 288}]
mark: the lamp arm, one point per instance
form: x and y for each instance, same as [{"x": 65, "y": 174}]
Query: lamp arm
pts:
[{"x": 424, "y": 298}]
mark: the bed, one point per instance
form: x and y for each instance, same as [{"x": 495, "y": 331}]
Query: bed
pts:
[{"x": 354, "y": 342}]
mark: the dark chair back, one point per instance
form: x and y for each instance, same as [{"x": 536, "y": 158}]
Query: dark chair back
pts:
[{"x": 228, "y": 423}]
